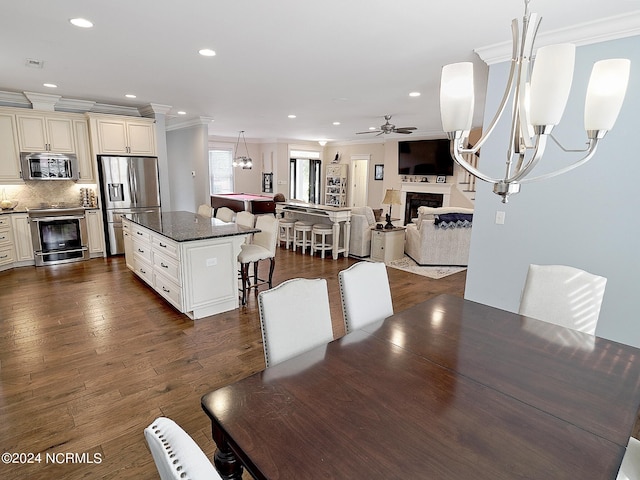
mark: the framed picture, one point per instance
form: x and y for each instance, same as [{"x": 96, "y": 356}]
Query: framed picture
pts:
[
  {"x": 441, "y": 179},
  {"x": 378, "y": 172},
  {"x": 267, "y": 182}
]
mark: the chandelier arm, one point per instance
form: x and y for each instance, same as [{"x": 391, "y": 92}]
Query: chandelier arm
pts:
[
  {"x": 541, "y": 143},
  {"x": 455, "y": 154},
  {"x": 568, "y": 150},
  {"x": 507, "y": 91},
  {"x": 593, "y": 145}
]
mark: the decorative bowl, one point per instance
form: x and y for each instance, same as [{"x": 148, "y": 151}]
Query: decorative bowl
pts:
[{"x": 10, "y": 206}]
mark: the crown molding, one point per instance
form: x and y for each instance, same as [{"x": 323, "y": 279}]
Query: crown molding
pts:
[
  {"x": 154, "y": 109},
  {"x": 186, "y": 123},
  {"x": 74, "y": 105},
  {"x": 42, "y": 101},
  {"x": 610, "y": 28},
  {"x": 14, "y": 99}
]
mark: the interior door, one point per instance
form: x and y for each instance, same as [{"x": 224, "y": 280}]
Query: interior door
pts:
[{"x": 359, "y": 182}]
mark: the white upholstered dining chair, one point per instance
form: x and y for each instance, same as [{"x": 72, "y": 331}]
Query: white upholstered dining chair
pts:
[
  {"x": 246, "y": 219},
  {"x": 630, "y": 468},
  {"x": 563, "y": 295},
  {"x": 294, "y": 317},
  {"x": 262, "y": 247},
  {"x": 205, "y": 210},
  {"x": 365, "y": 294},
  {"x": 225, "y": 214},
  {"x": 176, "y": 455}
]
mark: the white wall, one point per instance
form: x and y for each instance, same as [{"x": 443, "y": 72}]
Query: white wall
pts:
[
  {"x": 587, "y": 218},
  {"x": 187, "y": 152}
]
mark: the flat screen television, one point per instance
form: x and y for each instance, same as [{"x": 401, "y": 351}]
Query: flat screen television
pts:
[{"x": 424, "y": 157}]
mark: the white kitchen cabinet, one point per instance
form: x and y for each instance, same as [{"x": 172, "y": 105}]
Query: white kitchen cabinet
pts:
[
  {"x": 9, "y": 153},
  {"x": 115, "y": 135},
  {"x": 45, "y": 133},
  {"x": 95, "y": 233},
  {"x": 128, "y": 244},
  {"x": 197, "y": 277},
  {"x": 22, "y": 238},
  {"x": 7, "y": 251},
  {"x": 83, "y": 152}
]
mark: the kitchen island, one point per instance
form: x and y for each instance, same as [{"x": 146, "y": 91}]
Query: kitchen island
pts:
[{"x": 188, "y": 259}]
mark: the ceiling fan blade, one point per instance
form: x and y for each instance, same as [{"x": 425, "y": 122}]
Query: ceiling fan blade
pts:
[
  {"x": 370, "y": 131},
  {"x": 406, "y": 128},
  {"x": 402, "y": 130}
]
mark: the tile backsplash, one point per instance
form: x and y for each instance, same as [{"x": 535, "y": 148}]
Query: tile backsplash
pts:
[{"x": 36, "y": 192}]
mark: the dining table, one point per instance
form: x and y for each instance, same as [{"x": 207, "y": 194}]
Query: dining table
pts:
[{"x": 447, "y": 389}]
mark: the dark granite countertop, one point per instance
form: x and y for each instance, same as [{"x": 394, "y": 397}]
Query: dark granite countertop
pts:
[{"x": 188, "y": 226}]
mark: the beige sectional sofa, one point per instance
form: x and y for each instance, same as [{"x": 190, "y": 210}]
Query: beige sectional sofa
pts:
[{"x": 440, "y": 236}]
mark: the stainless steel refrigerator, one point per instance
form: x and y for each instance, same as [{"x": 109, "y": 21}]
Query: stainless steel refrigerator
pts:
[{"x": 127, "y": 185}]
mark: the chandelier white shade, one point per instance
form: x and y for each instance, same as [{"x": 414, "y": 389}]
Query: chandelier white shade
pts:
[
  {"x": 605, "y": 93},
  {"x": 539, "y": 96}
]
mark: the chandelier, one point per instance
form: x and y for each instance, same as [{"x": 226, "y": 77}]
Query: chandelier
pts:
[
  {"x": 242, "y": 161},
  {"x": 539, "y": 96}
]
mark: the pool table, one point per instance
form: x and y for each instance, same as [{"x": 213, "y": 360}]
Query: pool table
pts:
[{"x": 250, "y": 202}]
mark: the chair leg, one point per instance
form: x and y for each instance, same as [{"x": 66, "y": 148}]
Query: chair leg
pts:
[
  {"x": 244, "y": 273},
  {"x": 272, "y": 266}
]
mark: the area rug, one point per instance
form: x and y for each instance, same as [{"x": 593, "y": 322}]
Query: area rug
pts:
[{"x": 408, "y": 265}]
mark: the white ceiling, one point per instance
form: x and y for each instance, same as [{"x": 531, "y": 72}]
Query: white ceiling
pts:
[{"x": 351, "y": 61}]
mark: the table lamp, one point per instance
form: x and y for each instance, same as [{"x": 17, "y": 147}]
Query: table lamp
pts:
[{"x": 391, "y": 197}]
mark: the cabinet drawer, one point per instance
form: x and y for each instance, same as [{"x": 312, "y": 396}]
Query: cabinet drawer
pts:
[
  {"x": 5, "y": 221},
  {"x": 141, "y": 234},
  {"x": 6, "y": 254},
  {"x": 143, "y": 269},
  {"x": 167, "y": 266},
  {"x": 142, "y": 249},
  {"x": 166, "y": 246},
  {"x": 168, "y": 289},
  {"x": 5, "y": 235}
]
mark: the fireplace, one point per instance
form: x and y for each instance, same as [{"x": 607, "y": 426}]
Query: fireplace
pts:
[{"x": 415, "y": 200}]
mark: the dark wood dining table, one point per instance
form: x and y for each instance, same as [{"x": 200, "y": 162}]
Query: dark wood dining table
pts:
[{"x": 448, "y": 389}]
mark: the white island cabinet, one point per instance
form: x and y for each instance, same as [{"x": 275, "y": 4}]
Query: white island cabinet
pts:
[{"x": 190, "y": 260}]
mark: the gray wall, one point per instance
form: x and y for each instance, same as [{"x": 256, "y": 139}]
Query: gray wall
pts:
[
  {"x": 187, "y": 151},
  {"x": 587, "y": 218}
]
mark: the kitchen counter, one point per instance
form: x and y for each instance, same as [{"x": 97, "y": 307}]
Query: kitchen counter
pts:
[
  {"x": 8, "y": 211},
  {"x": 189, "y": 260},
  {"x": 187, "y": 226}
]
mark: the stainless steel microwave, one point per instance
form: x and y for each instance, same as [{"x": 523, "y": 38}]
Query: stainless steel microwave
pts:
[{"x": 49, "y": 166}]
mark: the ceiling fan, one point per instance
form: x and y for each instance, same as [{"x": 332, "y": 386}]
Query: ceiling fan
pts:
[{"x": 389, "y": 128}]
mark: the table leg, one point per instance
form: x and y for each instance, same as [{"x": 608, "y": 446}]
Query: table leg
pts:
[
  {"x": 226, "y": 462},
  {"x": 336, "y": 239}
]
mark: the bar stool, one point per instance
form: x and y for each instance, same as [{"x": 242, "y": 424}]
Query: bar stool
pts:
[
  {"x": 321, "y": 229},
  {"x": 302, "y": 235},
  {"x": 286, "y": 234}
]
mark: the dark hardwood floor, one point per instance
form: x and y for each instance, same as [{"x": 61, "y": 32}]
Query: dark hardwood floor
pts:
[{"x": 89, "y": 356}]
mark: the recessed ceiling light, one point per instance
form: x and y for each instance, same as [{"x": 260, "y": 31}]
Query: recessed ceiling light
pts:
[
  {"x": 414, "y": 94},
  {"x": 207, "y": 52},
  {"x": 130, "y": 95},
  {"x": 50, "y": 85},
  {"x": 181, "y": 112},
  {"x": 81, "y": 22},
  {"x": 336, "y": 123},
  {"x": 291, "y": 116}
]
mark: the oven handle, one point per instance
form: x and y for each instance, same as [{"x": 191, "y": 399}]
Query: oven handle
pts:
[
  {"x": 54, "y": 218},
  {"x": 57, "y": 252}
]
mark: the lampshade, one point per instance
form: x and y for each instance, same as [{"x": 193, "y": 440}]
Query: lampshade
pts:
[
  {"x": 551, "y": 83},
  {"x": 456, "y": 96},
  {"x": 605, "y": 93},
  {"x": 392, "y": 197}
]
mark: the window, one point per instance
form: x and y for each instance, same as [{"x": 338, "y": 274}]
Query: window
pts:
[
  {"x": 304, "y": 175},
  {"x": 220, "y": 171},
  {"x": 305, "y": 179}
]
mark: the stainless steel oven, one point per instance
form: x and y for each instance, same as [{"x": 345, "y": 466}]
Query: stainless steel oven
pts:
[{"x": 59, "y": 235}]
